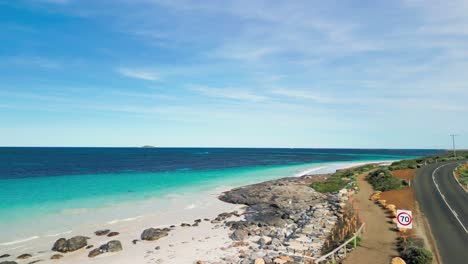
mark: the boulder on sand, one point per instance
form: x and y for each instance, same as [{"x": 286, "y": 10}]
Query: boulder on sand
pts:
[
  {"x": 24, "y": 256},
  {"x": 56, "y": 256},
  {"x": 102, "y": 232},
  {"x": 68, "y": 245},
  {"x": 111, "y": 246},
  {"x": 111, "y": 234},
  {"x": 152, "y": 234}
]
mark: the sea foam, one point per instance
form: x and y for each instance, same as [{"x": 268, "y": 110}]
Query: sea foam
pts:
[
  {"x": 310, "y": 171},
  {"x": 115, "y": 221},
  {"x": 19, "y": 241},
  {"x": 58, "y": 234}
]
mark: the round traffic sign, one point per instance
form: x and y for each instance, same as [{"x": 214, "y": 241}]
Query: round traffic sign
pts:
[{"x": 404, "y": 219}]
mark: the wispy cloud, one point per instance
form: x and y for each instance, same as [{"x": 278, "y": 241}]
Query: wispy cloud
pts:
[
  {"x": 139, "y": 73},
  {"x": 34, "y": 61},
  {"x": 303, "y": 94},
  {"x": 229, "y": 93}
]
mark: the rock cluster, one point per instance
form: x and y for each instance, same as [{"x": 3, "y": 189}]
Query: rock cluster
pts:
[
  {"x": 285, "y": 219},
  {"x": 68, "y": 245},
  {"x": 111, "y": 246}
]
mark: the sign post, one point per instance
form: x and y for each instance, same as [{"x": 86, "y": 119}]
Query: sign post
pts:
[{"x": 404, "y": 219}]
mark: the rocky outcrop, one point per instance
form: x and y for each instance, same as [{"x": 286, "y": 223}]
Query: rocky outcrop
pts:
[
  {"x": 111, "y": 246},
  {"x": 152, "y": 234},
  {"x": 284, "y": 215},
  {"x": 5, "y": 256},
  {"x": 8, "y": 262},
  {"x": 68, "y": 245}
]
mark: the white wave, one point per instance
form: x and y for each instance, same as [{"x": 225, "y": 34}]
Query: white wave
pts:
[
  {"x": 19, "y": 241},
  {"x": 115, "y": 221},
  {"x": 13, "y": 248},
  {"x": 191, "y": 206},
  {"x": 310, "y": 171},
  {"x": 58, "y": 234}
]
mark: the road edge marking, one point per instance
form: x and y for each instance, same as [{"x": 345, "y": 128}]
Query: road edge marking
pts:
[{"x": 443, "y": 197}]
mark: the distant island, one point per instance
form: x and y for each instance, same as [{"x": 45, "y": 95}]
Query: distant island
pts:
[{"x": 148, "y": 146}]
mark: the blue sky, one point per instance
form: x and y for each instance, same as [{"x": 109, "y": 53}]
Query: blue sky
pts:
[{"x": 368, "y": 74}]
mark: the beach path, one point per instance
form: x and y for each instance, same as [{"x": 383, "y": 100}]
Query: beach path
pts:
[{"x": 378, "y": 244}]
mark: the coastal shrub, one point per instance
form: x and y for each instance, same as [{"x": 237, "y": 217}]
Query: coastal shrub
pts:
[
  {"x": 341, "y": 179},
  {"x": 417, "y": 255},
  {"x": 332, "y": 184},
  {"x": 383, "y": 180},
  {"x": 463, "y": 172},
  {"x": 404, "y": 164}
]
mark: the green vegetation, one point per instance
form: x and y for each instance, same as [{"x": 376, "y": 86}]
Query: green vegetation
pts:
[
  {"x": 414, "y": 252},
  {"x": 404, "y": 164},
  {"x": 341, "y": 179},
  {"x": 417, "y": 255},
  {"x": 383, "y": 180},
  {"x": 358, "y": 241},
  {"x": 416, "y": 163},
  {"x": 463, "y": 172}
]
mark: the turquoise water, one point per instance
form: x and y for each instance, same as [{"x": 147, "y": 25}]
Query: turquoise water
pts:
[
  {"x": 48, "y": 191},
  {"x": 33, "y": 197},
  {"x": 47, "y": 195}
]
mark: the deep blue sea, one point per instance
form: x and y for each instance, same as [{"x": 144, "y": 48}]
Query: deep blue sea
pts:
[{"x": 43, "y": 183}]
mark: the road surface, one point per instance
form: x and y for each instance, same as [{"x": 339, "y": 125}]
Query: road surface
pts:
[{"x": 445, "y": 205}]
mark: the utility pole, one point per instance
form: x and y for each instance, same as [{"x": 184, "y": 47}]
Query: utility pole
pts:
[{"x": 453, "y": 144}]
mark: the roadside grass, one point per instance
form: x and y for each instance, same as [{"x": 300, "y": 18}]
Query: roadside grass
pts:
[
  {"x": 341, "y": 179},
  {"x": 417, "y": 163},
  {"x": 463, "y": 173}
]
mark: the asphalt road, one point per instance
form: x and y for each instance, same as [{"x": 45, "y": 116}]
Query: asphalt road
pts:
[{"x": 447, "y": 217}]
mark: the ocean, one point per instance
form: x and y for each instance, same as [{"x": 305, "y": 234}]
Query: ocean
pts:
[{"x": 48, "y": 191}]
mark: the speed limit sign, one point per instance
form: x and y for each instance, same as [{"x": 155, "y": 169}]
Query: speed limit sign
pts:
[{"x": 404, "y": 219}]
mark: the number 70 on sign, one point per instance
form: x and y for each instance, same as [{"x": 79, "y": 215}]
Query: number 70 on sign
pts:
[{"x": 404, "y": 219}]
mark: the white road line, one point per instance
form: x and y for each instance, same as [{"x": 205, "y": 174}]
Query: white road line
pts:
[{"x": 443, "y": 198}]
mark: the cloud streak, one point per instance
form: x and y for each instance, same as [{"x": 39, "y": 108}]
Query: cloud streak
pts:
[
  {"x": 229, "y": 93},
  {"x": 138, "y": 73}
]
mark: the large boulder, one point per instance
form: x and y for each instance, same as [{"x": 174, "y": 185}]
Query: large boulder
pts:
[
  {"x": 68, "y": 245},
  {"x": 8, "y": 262},
  {"x": 152, "y": 234}
]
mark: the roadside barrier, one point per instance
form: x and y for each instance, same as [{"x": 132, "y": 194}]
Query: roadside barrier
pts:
[{"x": 330, "y": 256}]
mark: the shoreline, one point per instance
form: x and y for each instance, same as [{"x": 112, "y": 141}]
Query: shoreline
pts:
[{"x": 180, "y": 239}]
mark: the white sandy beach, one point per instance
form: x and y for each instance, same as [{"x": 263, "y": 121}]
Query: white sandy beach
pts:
[{"x": 207, "y": 241}]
